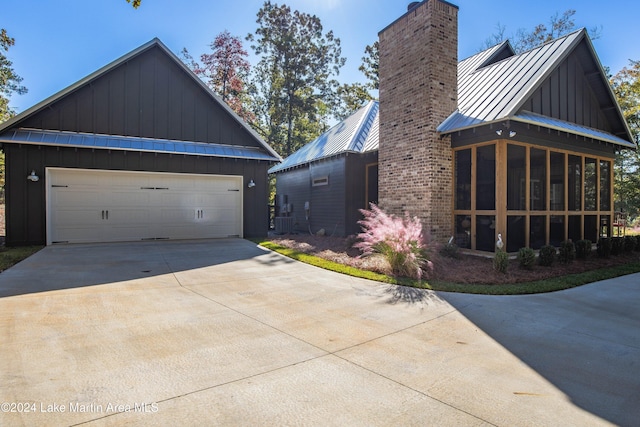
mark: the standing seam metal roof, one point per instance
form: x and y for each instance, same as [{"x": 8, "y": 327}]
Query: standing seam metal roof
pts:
[
  {"x": 496, "y": 91},
  {"x": 357, "y": 133},
  {"x": 128, "y": 143},
  {"x": 15, "y": 121}
]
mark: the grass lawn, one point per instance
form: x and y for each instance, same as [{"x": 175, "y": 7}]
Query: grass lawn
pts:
[
  {"x": 539, "y": 286},
  {"x": 12, "y": 256}
]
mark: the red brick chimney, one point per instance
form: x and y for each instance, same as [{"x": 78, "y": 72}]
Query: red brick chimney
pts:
[{"x": 418, "y": 91}]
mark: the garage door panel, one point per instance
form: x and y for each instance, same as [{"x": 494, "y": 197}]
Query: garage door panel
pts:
[
  {"x": 77, "y": 217},
  {"x": 93, "y": 206}
]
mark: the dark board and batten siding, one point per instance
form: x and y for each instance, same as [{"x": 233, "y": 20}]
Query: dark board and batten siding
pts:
[
  {"x": 328, "y": 201},
  {"x": 147, "y": 96},
  {"x": 26, "y": 204},
  {"x": 295, "y": 185},
  {"x": 568, "y": 95},
  {"x": 335, "y": 207}
]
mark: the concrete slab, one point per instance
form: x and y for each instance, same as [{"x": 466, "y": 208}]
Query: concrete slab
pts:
[{"x": 222, "y": 332}]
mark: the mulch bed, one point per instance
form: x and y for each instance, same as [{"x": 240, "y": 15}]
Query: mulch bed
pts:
[{"x": 467, "y": 269}]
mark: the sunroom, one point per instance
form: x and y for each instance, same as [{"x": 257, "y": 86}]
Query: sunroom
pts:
[{"x": 534, "y": 164}]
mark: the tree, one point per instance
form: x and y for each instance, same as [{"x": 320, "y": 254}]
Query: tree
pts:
[
  {"x": 225, "y": 71},
  {"x": 626, "y": 86},
  {"x": 355, "y": 95},
  {"x": 293, "y": 87},
  {"x": 9, "y": 80},
  {"x": 135, "y": 3},
  {"x": 370, "y": 65},
  {"x": 559, "y": 25}
]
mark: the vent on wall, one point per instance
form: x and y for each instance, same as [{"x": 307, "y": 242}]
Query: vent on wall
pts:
[{"x": 321, "y": 180}]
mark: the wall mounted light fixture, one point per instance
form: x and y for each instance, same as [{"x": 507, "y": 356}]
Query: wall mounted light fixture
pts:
[
  {"x": 33, "y": 177},
  {"x": 512, "y": 133},
  {"x": 251, "y": 184}
]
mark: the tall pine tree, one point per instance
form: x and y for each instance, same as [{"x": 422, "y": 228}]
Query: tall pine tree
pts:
[{"x": 294, "y": 86}]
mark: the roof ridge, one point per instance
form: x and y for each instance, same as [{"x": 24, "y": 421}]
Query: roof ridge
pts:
[{"x": 364, "y": 127}]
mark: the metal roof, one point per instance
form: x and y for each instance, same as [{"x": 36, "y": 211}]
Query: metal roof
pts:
[
  {"x": 129, "y": 143},
  {"x": 496, "y": 91},
  {"x": 15, "y": 121},
  {"x": 357, "y": 133},
  {"x": 561, "y": 125}
]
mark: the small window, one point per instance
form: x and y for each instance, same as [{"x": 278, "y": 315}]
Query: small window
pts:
[{"x": 322, "y": 180}]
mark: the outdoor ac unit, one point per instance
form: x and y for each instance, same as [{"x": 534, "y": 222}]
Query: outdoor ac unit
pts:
[{"x": 284, "y": 224}]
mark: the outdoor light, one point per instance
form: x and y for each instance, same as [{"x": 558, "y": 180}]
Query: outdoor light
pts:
[
  {"x": 499, "y": 132},
  {"x": 33, "y": 177},
  {"x": 251, "y": 184},
  {"x": 512, "y": 134}
]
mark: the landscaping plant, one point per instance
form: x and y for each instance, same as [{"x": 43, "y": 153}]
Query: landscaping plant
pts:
[
  {"x": 501, "y": 261},
  {"x": 547, "y": 255},
  {"x": 630, "y": 243},
  {"x": 604, "y": 247},
  {"x": 526, "y": 258},
  {"x": 450, "y": 250},
  {"x": 399, "y": 240},
  {"x": 583, "y": 248},
  {"x": 567, "y": 252},
  {"x": 617, "y": 245}
]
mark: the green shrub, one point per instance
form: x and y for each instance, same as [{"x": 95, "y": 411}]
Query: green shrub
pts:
[
  {"x": 604, "y": 247},
  {"x": 583, "y": 248},
  {"x": 547, "y": 255},
  {"x": 501, "y": 261},
  {"x": 450, "y": 250},
  {"x": 526, "y": 258},
  {"x": 617, "y": 245},
  {"x": 567, "y": 252},
  {"x": 630, "y": 243}
]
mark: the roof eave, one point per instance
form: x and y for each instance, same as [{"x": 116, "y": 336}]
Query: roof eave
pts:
[{"x": 100, "y": 72}]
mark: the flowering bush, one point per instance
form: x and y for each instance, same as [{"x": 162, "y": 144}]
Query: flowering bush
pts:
[{"x": 399, "y": 240}]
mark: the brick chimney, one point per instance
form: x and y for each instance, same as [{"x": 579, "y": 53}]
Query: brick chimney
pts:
[{"x": 418, "y": 91}]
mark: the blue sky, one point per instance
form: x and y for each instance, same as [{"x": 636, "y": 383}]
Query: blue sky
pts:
[{"x": 58, "y": 42}]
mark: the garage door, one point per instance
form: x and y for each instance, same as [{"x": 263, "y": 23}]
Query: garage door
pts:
[{"x": 111, "y": 206}]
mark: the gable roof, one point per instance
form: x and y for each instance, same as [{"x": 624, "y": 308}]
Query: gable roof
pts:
[
  {"x": 13, "y": 129},
  {"x": 490, "y": 91},
  {"x": 358, "y": 133}
]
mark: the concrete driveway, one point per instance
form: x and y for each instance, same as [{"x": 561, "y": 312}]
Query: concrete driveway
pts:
[{"x": 222, "y": 332}]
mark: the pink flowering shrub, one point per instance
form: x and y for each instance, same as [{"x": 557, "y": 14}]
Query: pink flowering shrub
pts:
[{"x": 399, "y": 240}]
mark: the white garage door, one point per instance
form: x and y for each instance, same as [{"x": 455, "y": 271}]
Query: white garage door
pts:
[{"x": 111, "y": 206}]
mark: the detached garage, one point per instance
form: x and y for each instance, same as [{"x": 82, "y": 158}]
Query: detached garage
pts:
[{"x": 139, "y": 150}]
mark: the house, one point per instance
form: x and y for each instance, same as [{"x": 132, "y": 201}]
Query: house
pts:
[
  {"x": 520, "y": 145},
  {"x": 323, "y": 185},
  {"x": 140, "y": 149}
]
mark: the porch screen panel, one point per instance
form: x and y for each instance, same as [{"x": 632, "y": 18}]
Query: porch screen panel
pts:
[
  {"x": 590, "y": 184},
  {"x": 538, "y": 183},
  {"x": 463, "y": 231},
  {"x": 591, "y": 227},
  {"x": 575, "y": 183},
  {"x": 537, "y": 231},
  {"x": 556, "y": 230},
  {"x": 486, "y": 178},
  {"x": 516, "y": 177},
  {"x": 463, "y": 179},
  {"x": 557, "y": 181},
  {"x": 605, "y": 185},
  {"x": 575, "y": 228},
  {"x": 515, "y": 232},
  {"x": 485, "y": 232}
]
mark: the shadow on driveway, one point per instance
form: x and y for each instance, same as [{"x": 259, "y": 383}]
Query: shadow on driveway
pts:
[
  {"x": 585, "y": 340},
  {"x": 75, "y": 266}
]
